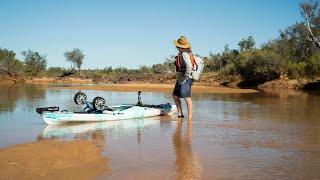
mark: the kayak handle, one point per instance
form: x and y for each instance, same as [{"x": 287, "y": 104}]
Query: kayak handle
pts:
[{"x": 49, "y": 109}]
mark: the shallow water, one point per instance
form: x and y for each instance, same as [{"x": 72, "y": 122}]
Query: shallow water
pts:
[{"x": 266, "y": 135}]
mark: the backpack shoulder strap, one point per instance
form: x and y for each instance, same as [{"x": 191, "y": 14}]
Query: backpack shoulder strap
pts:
[
  {"x": 178, "y": 62},
  {"x": 192, "y": 59}
]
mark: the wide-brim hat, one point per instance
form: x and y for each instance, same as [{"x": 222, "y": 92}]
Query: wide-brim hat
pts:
[{"x": 181, "y": 42}]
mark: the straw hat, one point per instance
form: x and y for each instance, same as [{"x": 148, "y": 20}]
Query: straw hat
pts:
[{"x": 181, "y": 42}]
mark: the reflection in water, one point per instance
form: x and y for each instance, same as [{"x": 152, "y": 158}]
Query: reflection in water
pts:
[
  {"x": 97, "y": 137},
  {"x": 59, "y": 130},
  {"x": 187, "y": 164},
  {"x": 10, "y": 95}
]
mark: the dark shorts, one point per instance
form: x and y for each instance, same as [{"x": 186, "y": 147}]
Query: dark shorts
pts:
[{"x": 183, "y": 90}]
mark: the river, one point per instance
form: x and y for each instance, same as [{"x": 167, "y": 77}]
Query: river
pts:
[{"x": 265, "y": 135}]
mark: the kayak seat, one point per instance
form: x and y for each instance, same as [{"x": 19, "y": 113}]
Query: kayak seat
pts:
[
  {"x": 156, "y": 106},
  {"x": 109, "y": 109}
]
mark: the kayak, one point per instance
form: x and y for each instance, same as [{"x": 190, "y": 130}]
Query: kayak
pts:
[
  {"x": 98, "y": 111},
  {"x": 57, "y": 130},
  {"x": 119, "y": 113}
]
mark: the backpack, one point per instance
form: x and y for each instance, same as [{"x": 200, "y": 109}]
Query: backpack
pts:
[{"x": 197, "y": 66}]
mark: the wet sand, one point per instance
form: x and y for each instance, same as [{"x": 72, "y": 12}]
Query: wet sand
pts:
[
  {"x": 155, "y": 88},
  {"x": 52, "y": 160}
]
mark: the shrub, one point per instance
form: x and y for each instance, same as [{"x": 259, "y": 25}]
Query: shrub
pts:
[
  {"x": 55, "y": 71},
  {"x": 297, "y": 70},
  {"x": 259, "y": 66},
  {"x": 313, "y": 66},
  {"x": 98, "y": 77}
]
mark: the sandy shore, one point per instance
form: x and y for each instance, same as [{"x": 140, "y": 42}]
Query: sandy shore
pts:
[
  {"x": 156, "y": 88},
  {"x": 52, "y": 160},
  {"x": 81, "y": 84},
  {"x": 131, "y": 87},
  {"x": 57, "y": 80}
]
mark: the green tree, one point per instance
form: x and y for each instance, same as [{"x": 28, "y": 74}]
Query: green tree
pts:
[
  {"x": 310, "y": 10},
  {"x": 296, "y": 38},
  {"x": 213, "y": 62},
  {"x": 297, "y": 70},
  {"x": 121, "y": 70},
  {"x": 76, "y": 57},
  {"x": 246, "y": 44},
  {"x": 145, "y": 69},
  {"x": 168, "y": 64},
  {"x": 34, "y": 62},
  {"x": 108, "y": 70},
  {"x": 158, "y": 68},
  {"x": 10, "y": 67},
  {"x": 228, "y": 60},
  {"x": 259, "y": 66},
  {"x": 313, "y": 66}
]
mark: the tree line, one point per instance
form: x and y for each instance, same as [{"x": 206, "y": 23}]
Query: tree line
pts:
[
  {"x": 294, "y": 54},
  {"x": 34, "y": 64}
]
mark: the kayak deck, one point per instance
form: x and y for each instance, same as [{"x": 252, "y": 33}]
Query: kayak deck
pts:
[{"x": 118, "y": 113}]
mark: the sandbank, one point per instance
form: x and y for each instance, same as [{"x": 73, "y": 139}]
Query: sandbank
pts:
[
  {"x": 48, "y": 159},
  {"x": 154, "y": 88}
]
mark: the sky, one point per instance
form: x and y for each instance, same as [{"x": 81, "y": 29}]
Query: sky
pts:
[{"x": 131, "y": 33}]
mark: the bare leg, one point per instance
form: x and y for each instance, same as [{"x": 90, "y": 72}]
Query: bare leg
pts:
[
  {"x": 178, "y": 104},
  {"x": 189, "y": 104}
]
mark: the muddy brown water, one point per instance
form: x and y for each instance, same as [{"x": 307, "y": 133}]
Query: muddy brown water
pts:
[{"x": 265, "y": 135}]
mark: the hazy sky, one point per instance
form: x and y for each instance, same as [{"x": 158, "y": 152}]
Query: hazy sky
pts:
[{"x": 130, "y": 33}]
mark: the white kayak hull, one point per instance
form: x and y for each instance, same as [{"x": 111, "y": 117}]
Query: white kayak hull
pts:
[
  {"x": 133, "y": 112},
  {"x": 57, "y": 130}
]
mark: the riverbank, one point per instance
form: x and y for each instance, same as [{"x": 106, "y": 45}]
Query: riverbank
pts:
[
  {"x": 51, "y": 80},
  {"x": 210, "y": 80},
  {"x": 154, "y": 88},
  {"x": 204, "y": 86}
]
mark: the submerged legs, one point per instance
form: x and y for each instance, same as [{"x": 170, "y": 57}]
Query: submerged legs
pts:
[
  {"x": 178, "y": 104},
  {"x": 189, "y": 105}
]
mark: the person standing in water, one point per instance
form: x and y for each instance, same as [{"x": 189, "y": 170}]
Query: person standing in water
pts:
[{"x": 183, "y": 84}]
